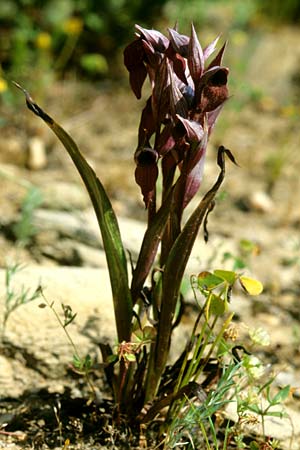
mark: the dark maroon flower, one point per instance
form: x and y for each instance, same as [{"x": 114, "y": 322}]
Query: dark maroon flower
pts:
[
  {"x": 186, "y": 99},
  {"x": 146, "y": 172}
]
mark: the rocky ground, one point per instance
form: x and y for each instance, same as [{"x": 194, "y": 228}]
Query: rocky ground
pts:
[{"x": 259, "y": 205}]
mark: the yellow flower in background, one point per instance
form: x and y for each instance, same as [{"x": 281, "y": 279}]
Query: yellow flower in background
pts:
[
  {"x": 289, "y": 111},
  {"x": 43, "y": 40},
  {"x": 239, "y": 38},
  {"x": 73, "y": 25},
  {"x": 3, "y": 85}
]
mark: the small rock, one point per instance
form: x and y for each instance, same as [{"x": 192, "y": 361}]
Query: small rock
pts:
[
  {"x": 36, "y": 156},
  {"x": 71, "y": 253},
  {"x": 78, "y": 227},
  {"x": 35, "y": 333},
  {"x": 83, "y": 227},
  {"x": 286, "y": 377},
  {"x": 260, "y": 201},
  {"x": 65, "y": 196},
  {"x": 90, "y": 257}
]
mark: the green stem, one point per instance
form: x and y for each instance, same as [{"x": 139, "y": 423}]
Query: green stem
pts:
[
  {"x": 214, "y": 344},
  {"x": 66, "y": 52}
]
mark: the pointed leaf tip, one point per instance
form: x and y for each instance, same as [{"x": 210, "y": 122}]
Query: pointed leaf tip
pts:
[
  {"x": 195, "y": 57},
  {"x": 221, "y": 151},
  {"x": 217, "y": 61},
  {"x": 108, "y": 224},
  {"x": 210, "y": 48},
  {"x": 33, "y": 106}
]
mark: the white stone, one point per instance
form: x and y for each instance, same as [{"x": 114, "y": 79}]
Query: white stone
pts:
[
  {"x": 36, "y": 156},
  {"x": 260, "y": 201}
]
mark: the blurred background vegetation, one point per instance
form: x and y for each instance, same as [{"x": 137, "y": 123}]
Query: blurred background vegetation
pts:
[{"x": 42, "y": 41}]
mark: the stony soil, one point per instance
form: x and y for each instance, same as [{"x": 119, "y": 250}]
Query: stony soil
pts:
[{"x": 261, "y": 205}]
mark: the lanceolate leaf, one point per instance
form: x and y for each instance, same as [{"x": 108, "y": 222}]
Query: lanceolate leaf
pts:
[
  {"x": 149, "y": 247},
  {"x": 108, "y": 224},
  {"x": 193, "y": 129},
  {"x": 176, "y": 264}
]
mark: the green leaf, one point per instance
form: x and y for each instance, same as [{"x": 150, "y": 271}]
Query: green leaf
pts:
[
  {"x": 227, "y": 275},
  {"x": 176, "y": 264},
  {"x": 280, "y": 414},
  {"x": 208, "y": 281},
  {"x": 107, "y": 221},
  {"x": 77, "y": 362},
  {"x": 146, "y": 334},
  {"x": 87, "y": 363},
  {"x": 254, "y": 445},
  {"x": 247, "y": 246},
  {"x": 130, "y": 357},
  {"x": 254, "y": 408},
  {"x": 217, "y": 305},
  {"x": 214, "y": 306},
  {"x": 112, "y": 359},
  {"x": 147, "y": 254},
  {"x": 281, "y": 395}
]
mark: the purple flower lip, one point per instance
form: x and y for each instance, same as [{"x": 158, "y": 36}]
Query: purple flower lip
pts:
[{"x": 145, "y": 157}]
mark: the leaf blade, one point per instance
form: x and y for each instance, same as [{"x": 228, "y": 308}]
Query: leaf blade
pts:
[
  {"x": 176, "y": 264},
  {"x": 109, "y": 228}
]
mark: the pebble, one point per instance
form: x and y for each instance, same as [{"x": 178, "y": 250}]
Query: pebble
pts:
[
  {"x": 63, "y": 196},
  {"x": 261, "y": 202},
  {"x": 36, "y": 154}
]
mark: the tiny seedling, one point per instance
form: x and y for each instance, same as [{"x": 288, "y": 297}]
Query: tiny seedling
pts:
[
  {"x": 23, "y": 229},
  {"x": 13, "y": 297},
  {"x": 81, "y": 365}
]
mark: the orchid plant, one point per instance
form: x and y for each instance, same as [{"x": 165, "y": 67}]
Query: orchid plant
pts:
[{"x": 188, "y": 90}]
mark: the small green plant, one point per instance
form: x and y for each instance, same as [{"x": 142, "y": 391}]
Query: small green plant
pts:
[
  {"x": 13, "y": 297},
  {"x": 81, "y": 365},
  {"x": 258, "y": 397},
  {"x": 23, "y": 229},
  {"x": 195, "y": 422},
  {"x": 242, "y": 260},
  {"x": 255, "y": 395},
  {"x": 208, "y": 357}
]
